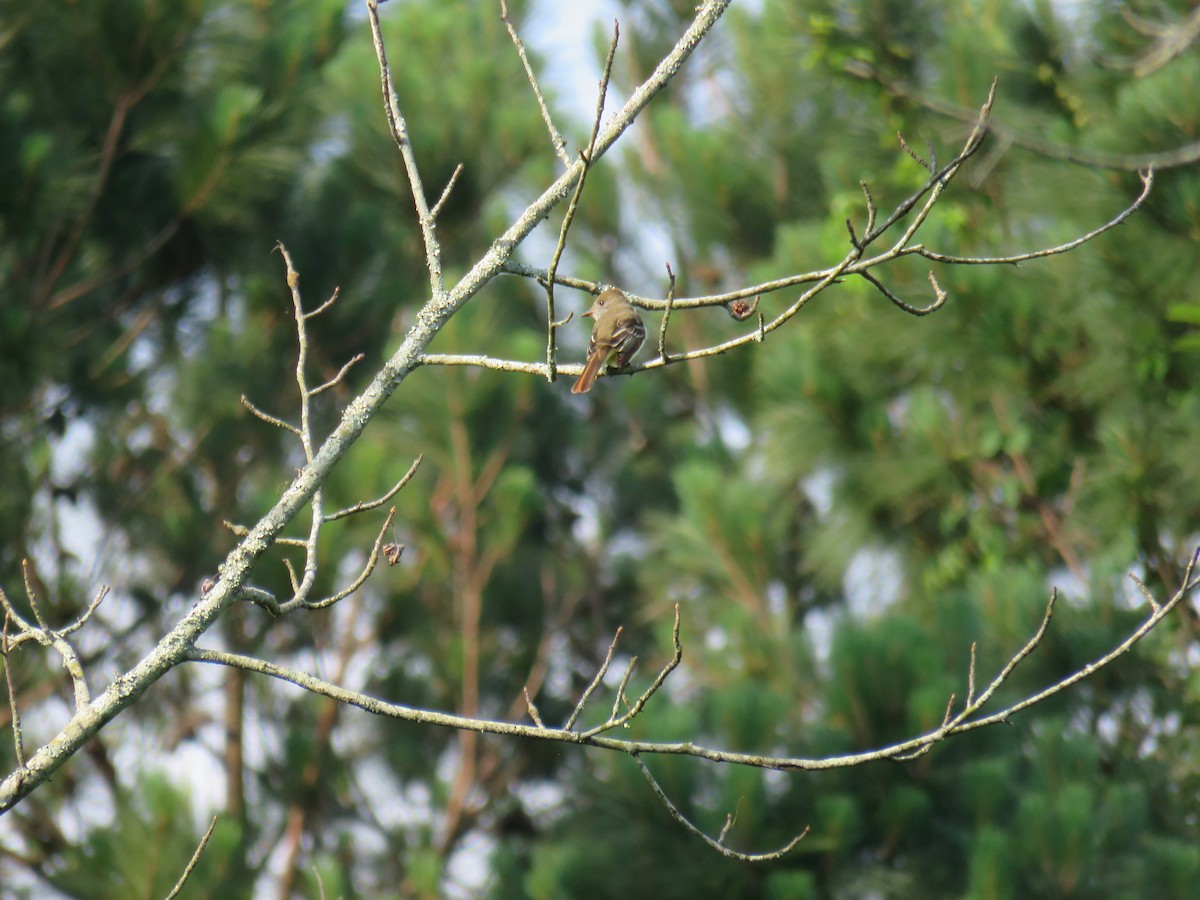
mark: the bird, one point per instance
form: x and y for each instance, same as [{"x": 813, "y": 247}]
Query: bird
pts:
[{"x": 617, "y": 335}]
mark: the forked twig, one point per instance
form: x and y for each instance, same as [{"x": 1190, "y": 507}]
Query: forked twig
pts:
[
  {"x": 399, "y": 129},
  {"x": 615, "y": 721},
  {"x": 367, "y": 569},
  {"x": 591, "y": 688},
  {"x": 714, "y": 844},
  {"x": 920, "y": 744}
]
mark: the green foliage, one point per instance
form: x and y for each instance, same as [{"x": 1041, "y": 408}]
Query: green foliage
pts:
[{"x": 145, "y": 849}]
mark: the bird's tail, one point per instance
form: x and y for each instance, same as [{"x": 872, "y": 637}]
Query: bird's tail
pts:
[{"x": 590, "y": 372}]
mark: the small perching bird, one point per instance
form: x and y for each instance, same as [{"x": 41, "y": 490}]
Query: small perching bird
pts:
[{"x": 617, "y": 335}]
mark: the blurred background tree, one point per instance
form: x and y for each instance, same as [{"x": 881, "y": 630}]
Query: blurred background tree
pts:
[{"x": 840, "y": 512}]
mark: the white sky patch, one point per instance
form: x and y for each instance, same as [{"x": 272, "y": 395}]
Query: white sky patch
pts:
[
  {"x": 562, "y": 34},
  {"x": 818, "y": 487},
  {"x": 467, "y": 872},
  {"x": 872, "y": 582}
]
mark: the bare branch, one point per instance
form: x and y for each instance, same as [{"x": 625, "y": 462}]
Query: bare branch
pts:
[
  {"x": 618, "y": 698},
  {"x": 1147, "y": 179},
  {"x": 230, "y": 586},
  {"x": 615, "y": 721},
  {"x": 912, "y": 154},
  {"x": 521, "y": 270},
  {"x": 333, "y": 298},
  {"x": 45, "y": 636},
  {"x": 662, "y": 328},
  {"x": 433, "y": 250},
  {"x": 575, "y": 713},
  {"x": 503, "y": 365},
  {"x": 533, "y": 710},
  {"x": 437, "y": 207},
  {"x": 1021, "y": 654},
  {"x": 31, "y": 594},
  {"x": 187, "y": 872},
  {"x": 556, "y": 138},
  {"x": 242, "y": 531},
  {"x": 1144, "y": 592},
  {"x": 666, "y": 670},
  {"x": 374, "y": 504},
  {"x": 595, "y": 737},
  {"x": 293, "y": 581},
  {"x": 87, "y": 613},
  {"x": 922, "y": 202},
  {"x": 872, "y": 210},
  {"x": 18, "y": 739},
  {"x": 262, "y": 598},
  {"x": 715, "y": 844},
  {"x": 971, "y": 678},
  {"x": 336, "y": 379},
  {"x": 268, "y": 418},
  {"x": 367, "y": 569},
  {"x": 1173, "y": 41},
  {"x": 949, "y": 709},
  {"x": 11, "y": 612},
  {"x": 939, "y": 296}
]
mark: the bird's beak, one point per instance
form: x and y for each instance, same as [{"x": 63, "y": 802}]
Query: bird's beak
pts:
[{"x": 587, "y": 315}]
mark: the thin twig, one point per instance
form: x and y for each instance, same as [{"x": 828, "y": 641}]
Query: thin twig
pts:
[
  {"x": 1021, "y": 654},
  {"x": 586, "y": 157},
  {"x": 631, "y": 710},
  {"x": 437, "y": 207},
  {"x": 1144, "y": 592},
  {"x": 919, "y": 744},
  {"x": 374, "y": 504},
  {"x": 929, "y": 167},
  {"x": 187, "y": 873},
  {"x": 533, "y": 710},
  {"x": 556, "y": 138},
  {"x": 672, "y": 664},
  {"x": 949, "y": 709},
  {"x": 18, "y": 739},
  {"x": 662, "y": 328},
  {"x": 971, "y": 678},
  {"x": 715, "y": 845},
  {"x": 399, "y": 128},
  {"x": 87, "y": 613},
  {"x": 617, "y": 699},
  {"x": 268, "y": 418},
  {"x": 939, "y": 296},
  {"x": 872, "y": 210},
  {"x": 367, "y": 569},
  {"x": 336, "y": 379},
  {"x": 31, "y": 594},
  {"x": 1147, "y": 179},
  {"x": 11, "y": 612},
  {"x": 333, "y": 298},
  {"x": 578, "y": 710},
  {"x": 853, "y": 264}
]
